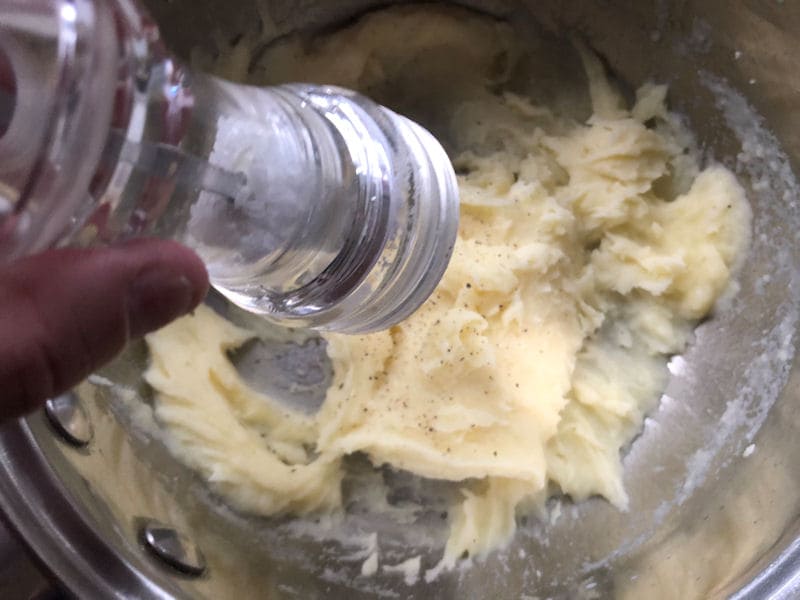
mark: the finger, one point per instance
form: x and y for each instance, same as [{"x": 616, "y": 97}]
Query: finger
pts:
[
  {"x": 7, "y": 79},
  {"x": 65, "y": 312}
]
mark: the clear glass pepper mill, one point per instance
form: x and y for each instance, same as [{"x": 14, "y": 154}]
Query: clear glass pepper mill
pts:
[{"x": 311, "y": 205}]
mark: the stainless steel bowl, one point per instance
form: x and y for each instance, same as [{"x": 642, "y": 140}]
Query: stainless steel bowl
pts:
[{"x": 714, "y": 478}]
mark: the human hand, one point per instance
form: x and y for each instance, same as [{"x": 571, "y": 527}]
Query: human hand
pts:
[{"x": 64, "y": 313}]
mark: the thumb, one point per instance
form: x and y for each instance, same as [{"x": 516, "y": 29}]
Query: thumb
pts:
[{"x": 65, "y": 312}]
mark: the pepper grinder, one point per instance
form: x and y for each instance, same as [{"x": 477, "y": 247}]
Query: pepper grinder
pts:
[{"x": 310, "y": 205}]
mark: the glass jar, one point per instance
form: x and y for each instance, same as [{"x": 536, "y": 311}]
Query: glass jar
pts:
[{"x": 311, "y": 205}]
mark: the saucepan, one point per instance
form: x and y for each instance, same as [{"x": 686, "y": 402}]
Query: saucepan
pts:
[{"x": 714, "y": 478}]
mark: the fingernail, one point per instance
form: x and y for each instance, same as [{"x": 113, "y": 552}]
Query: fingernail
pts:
[{"x": 157, "y": 296}]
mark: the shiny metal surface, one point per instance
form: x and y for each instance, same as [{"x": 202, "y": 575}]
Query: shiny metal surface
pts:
[
  {"x": 173, "y": 548},
  {"x": 714, "y": 478},
  {"x": 69, "y": 419}
]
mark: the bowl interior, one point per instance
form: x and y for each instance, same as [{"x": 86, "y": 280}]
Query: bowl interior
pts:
[{"x": 712, "y": 484}]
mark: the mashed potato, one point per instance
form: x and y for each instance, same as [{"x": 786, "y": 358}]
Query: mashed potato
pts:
[{"x": 587, "y": 251}]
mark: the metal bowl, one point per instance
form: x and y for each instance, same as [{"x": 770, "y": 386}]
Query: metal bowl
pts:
[{"x": 713, "y": 480}]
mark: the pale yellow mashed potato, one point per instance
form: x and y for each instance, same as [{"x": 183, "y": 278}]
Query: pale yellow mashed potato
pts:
[{"x": 587, "y": 252}]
